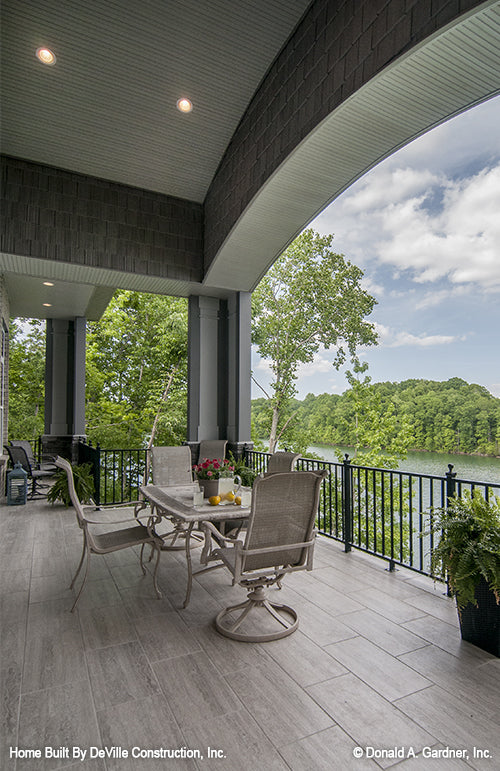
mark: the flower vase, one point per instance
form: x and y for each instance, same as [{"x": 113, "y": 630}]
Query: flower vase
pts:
[{"x": 216, "y": 486}]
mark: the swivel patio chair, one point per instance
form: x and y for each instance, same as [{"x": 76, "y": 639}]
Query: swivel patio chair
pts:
[
  {"x": 282, "y": 461},
  {"x": 18, "y": 455},
  {"x": 279, "y": 540},
  {"x": 137, "y": 534}
]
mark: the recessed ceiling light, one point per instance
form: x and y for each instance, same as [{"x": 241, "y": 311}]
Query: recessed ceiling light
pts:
[
  {"x": 47, "y": 305},
  {"x": 48, "y": 283},
  {"x": 184, "y": 105},
  {"x": 45, "y": 55}
]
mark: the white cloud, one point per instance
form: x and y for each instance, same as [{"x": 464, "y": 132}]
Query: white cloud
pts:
[
  {"x": 391, "y": 338},
  {"x": 439, "y": 297},
  {"x": 384, "y": 187},
  {"x": 459, "y": 241},
  {"x": 319, "y": 364}
]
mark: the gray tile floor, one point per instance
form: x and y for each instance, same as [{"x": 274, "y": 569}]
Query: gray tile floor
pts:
[{"x": 376, "y": 663}]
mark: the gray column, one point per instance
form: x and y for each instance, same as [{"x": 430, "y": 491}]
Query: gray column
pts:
[
  {"x": 239, "y": 318},
  {"x": 64, "y": 384},
  {"x": 219, "y": 368},
  {"x": 203, "y": 366}
]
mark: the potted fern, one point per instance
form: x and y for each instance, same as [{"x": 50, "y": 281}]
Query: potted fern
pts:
[
  {"x": 84, "y": 485},
  {"x": 468, "y": 556}
]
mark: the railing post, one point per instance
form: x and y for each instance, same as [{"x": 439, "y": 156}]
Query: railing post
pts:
[
  {"x": 450, "y": 483},
  {"x": 347, "y": 502},
  {"x": 450, "y": 494},
  {"x": 97, "y": 475}
]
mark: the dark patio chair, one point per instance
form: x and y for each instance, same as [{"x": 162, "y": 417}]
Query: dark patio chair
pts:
[
  {"x": 43, "y": 466},
  {"x": 18, "y": 455}
]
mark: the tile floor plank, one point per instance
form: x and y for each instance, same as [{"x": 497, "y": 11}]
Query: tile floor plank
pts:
[{"x": 129, "y": 670}]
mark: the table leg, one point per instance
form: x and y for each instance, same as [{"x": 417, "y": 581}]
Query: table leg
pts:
[{"x": 189, "y": 565}]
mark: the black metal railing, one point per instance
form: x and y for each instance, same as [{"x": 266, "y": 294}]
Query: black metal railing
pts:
[
  {"x": 118, "y": 474},
  {"x": 381, "y": 511},
  {"x": 384, "y": 512}
]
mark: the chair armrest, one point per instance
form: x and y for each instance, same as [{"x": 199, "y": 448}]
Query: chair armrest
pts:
[{"x": 210, "y": 531}]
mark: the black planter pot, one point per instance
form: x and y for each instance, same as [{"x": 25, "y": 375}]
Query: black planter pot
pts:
[{"x": 481, "y": 625}]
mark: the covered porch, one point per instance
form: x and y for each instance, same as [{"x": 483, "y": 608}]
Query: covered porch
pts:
[{"x": 377, "y": 664}]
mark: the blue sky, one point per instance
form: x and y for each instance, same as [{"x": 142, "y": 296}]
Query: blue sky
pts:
[{"x": 424, "y": 226}]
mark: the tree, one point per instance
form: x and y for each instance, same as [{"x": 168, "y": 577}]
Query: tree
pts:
[
  {"x": 137, "y": 371},
  {"x": 381, "y": 437},
  {"x": 26, "y": 378},
  {"x": 310, "y": 297}
]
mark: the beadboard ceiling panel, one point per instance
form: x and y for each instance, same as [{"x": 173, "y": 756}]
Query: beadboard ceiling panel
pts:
[{"x": 108, "y": 106}]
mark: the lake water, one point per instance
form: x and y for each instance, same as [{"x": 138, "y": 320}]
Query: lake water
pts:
[{"x": 468, "y": 467}]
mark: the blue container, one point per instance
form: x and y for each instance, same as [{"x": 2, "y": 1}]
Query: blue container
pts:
[{"x": 17, "y": 486}]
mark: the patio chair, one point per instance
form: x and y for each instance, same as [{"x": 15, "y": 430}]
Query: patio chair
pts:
[
  {"x": 212, "y": 448},
  {"x": 26, "y": 445},
  {"x": 18, "y": 455},
  {"x": 137, "y": 534},
  {"x": 282, "y": 461},
  {"x": 279, "y": 540},
  {"x": 172, "y": 466}
]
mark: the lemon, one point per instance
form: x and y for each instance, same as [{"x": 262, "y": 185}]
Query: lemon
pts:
[
  {"x": 237, "y": 500},
  {"x": 230, "y": 496},
  {"x": 214, "y": 500}
]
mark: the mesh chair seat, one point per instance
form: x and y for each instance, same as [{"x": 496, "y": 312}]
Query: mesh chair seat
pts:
[{"x": 119, "y": 539}]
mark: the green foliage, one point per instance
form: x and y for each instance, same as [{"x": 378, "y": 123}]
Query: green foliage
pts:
[
  {"x": 26, "y": 378},
  {"x": 451, "y": 416},
  {"x": 469, "y": 545},
  {"x": 84, "y": 485},
  {"x": 246, "y": 474},
  {"x": 137, "y": 372},
  {"x": 381, "y": 438},
  {"x": 310, "y": 297}
]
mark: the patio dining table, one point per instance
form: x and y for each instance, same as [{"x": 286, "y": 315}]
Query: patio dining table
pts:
[{"x": 176, "y": 503}]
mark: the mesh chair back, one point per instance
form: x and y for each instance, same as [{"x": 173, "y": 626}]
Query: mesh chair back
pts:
[
  {"x": 212, "y": 449},
  {"x": 26, "y": 447},
  {"x": 171, "y": 466},
  {"x": 284, "y": 509},
  {"x": 282, "y": 461},
  {"x": 18, "y": 455}
]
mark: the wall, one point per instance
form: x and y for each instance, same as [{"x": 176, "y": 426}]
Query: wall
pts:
[{"x": 58, "y": 215}]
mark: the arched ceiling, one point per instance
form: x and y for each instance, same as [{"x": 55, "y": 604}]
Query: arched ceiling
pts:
[
  {"x": 108, "y": 109},
  {"x": 447, "y": 74}
]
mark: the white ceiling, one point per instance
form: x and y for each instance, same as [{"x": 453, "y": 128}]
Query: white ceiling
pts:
[
  {"x": 62, "y": 300},
  {"x": 108, "y": 106},
  {"x": 107, "y": 109}
]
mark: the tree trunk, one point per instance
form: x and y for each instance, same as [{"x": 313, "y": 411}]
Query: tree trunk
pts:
[{"x": 274, "y": 429}]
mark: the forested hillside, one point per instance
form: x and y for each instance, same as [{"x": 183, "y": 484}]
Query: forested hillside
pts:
[{"x": 451, "y": 416}]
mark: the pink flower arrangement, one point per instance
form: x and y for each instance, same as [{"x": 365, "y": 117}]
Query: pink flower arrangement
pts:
[{"x": 213, "y": 469}]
